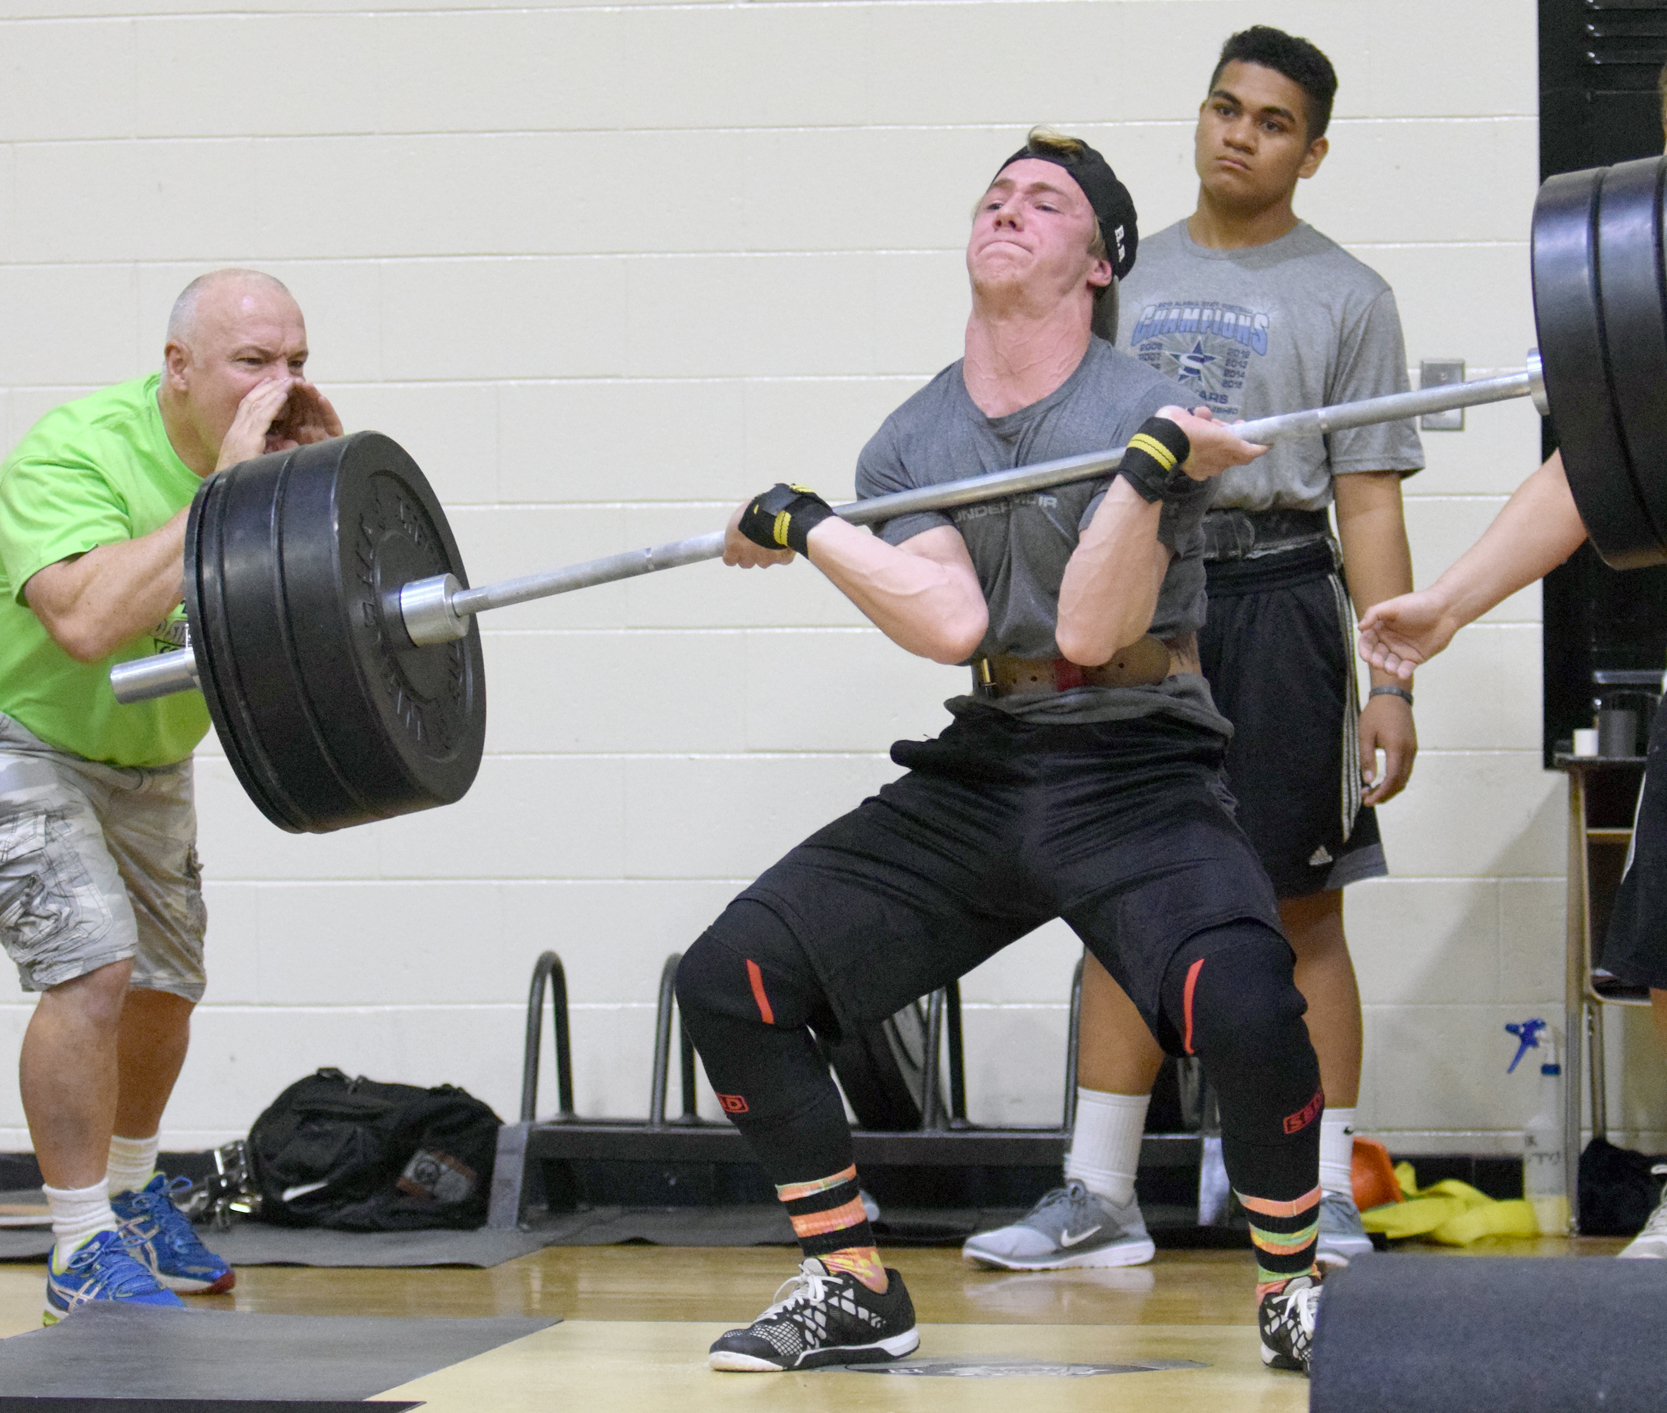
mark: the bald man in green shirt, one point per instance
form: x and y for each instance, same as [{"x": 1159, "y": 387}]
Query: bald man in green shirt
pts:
[{"x": 100, "y": 890}]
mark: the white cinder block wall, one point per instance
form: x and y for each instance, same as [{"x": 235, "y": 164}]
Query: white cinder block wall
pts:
[{"x": 605, "y": 269}]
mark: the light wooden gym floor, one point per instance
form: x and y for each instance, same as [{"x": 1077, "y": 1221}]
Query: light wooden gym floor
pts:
[{"x": 637, "y": 1321}]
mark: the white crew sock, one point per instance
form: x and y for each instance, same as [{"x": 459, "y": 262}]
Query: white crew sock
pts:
[
  {"x": 1105, "y": 1144},
  {"x": 78, "y": 1214},
  {"x": 132, "y": 1163},
  {"x": 1337, "y": 1152}
]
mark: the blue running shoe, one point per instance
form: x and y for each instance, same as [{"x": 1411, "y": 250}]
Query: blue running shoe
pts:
[
  {"x": 163, "y": 1238},
  {"x": 101, "y": 1269}
]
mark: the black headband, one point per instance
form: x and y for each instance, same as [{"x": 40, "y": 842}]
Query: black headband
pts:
[{"x": 1109, "y": 197}]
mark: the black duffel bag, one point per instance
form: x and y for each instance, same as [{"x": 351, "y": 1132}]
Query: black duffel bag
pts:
[
  {"x": 1617, "y": 1190},
  {"x": 365, "y": 1156}
]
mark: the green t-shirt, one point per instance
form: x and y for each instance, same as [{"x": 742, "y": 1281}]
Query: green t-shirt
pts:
[{"x": 92, "y": 472}]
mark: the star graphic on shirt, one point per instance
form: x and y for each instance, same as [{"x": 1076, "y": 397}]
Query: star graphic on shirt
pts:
[{"x": 1194, "y": 363}]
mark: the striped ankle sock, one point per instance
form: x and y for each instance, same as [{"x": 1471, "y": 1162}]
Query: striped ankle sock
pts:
[
  {"x": 1284, "y": 1235},
  {"x": 829, "y": 1220}
]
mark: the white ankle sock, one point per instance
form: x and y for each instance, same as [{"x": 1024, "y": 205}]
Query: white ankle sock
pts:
[
  {"x": 132, "y": 1163},
  {"x": 1337, "y": 1152},
  {"x": 78, "y": 1213},
  {"x": 1105, "y": 1144}
]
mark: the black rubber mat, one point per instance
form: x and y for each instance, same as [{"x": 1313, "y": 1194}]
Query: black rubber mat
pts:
[
  {"x": 111, "y": 1350},
  {"x": 260, "y": 1244},
  {"x": 750, "y": 1225},
  {"x": 1537, "y": 1334},
  {"x": 766, "y": 1224}
]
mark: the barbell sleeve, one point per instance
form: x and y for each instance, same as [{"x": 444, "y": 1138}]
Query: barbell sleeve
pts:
[
  {"x": 437, "y": 610},
  {"x": 144, "y": 678}
]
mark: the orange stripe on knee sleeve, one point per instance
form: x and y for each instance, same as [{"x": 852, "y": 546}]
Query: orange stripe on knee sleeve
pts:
[
  {"x": 1186, "y": 1001},
  {"x": 756, "y": 977}
]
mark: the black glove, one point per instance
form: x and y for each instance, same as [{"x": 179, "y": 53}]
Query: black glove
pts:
[
  {"x": 783, "y": 516},
  {"x": 1154, "y": 454}
]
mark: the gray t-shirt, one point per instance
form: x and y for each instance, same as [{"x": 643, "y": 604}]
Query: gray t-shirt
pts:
[
  {"x": 1298, "y": 322},
  {"x": 1020, "y": 545}
]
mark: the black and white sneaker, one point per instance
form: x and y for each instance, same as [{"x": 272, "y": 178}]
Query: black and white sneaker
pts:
[
  {"x": 1286, "y": 1318},
  {"x": 823, "y": 1317}
]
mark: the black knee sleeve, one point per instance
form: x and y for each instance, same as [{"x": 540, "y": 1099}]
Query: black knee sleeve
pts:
[
  {"x": 1229, "y": 993},
  {"x": 748, "y": 999},
  {"x": 747, "y": 965}
]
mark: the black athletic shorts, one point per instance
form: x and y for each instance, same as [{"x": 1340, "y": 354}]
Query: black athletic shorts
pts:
[
  {"x": 1001, "y": 825},
  {"x": 1278, "y": 654},
  {"x": 1635, "y": 949}
]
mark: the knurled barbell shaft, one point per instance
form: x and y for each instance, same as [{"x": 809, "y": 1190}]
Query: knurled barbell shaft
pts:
[{"x": 437, "y": 610}]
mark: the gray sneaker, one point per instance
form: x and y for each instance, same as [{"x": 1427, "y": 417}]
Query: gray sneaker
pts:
[
  {"x": 1341, "y": 1234},
  {"x": 1071, "y": 1226}
]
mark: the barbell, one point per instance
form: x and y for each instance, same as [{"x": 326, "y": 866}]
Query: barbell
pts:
[{"x": 332, "y": 625}]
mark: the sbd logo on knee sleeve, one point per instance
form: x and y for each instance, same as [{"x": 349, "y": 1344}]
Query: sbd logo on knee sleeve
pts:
[
  {"x": 1295, "y": 1123},
  {"x": 732, "y": 1103}
]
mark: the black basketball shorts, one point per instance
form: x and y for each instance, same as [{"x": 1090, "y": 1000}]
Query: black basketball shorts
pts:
[
  {"x": 1000, "y": 826},
  {"x": 1278, "y": 651}
]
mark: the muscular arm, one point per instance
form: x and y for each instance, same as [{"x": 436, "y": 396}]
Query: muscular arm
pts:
[
  {"x": 93, "y": 603},
  {"x": 1536, "y": 531},
  {"x": 923, "y": 594},
  {"x": 1378, "y": 563},
  {"x": 1111, "y": 583}
]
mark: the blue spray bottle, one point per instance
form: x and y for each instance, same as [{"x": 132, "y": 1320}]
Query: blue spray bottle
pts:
[{"x": 1544, "y": 1177}]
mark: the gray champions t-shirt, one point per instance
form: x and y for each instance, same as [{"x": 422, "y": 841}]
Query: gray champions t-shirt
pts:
[
  {"x": 1020, "y": 545},
  {"x": 1298, "y": 322}
]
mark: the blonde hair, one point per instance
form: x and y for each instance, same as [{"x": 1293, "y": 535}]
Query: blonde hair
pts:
[{"x": 1047, "y": 141}]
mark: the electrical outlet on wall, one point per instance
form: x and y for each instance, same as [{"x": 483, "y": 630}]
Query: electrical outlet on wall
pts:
[{"x": 1435, "y": 373}]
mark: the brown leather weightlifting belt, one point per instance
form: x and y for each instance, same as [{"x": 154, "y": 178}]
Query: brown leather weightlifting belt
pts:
[{"x": 1142, "y": 664}]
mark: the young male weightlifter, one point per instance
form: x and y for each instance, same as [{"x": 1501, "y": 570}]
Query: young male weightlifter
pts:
[
  {"x": 1079, "y": 780},
  {"x": 1255, "y": 312}
]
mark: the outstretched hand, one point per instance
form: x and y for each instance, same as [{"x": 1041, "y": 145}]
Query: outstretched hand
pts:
[
  {"x": 1400, "y": 633},
  {"x": 1215, "y": 445}
]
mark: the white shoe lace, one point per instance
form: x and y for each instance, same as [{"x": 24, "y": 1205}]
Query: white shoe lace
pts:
[
  {"x": 1301, "y": 1305},
  {"x": 804, "y": 1287}
]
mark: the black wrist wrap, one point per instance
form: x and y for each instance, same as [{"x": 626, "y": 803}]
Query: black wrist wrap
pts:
[
  {"x": 783, "y": 516},
  {"x": 1153, "y": 455}
]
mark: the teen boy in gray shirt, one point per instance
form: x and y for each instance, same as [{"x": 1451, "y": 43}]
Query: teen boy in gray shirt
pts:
[{"x": 1254, "y": 312}]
